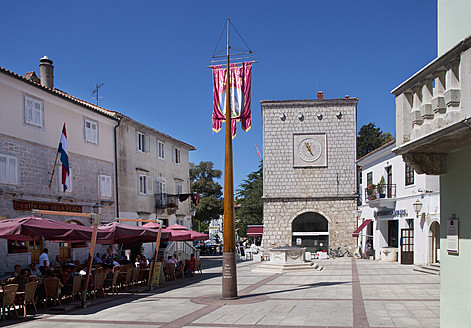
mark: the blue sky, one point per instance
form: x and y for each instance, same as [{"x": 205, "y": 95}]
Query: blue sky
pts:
[{"x": 152, "y": 57}]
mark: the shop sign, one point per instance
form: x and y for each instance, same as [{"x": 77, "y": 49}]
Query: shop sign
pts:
[
  {"x": 26, "y": 205},
  {"x": 400, "y": 213}
]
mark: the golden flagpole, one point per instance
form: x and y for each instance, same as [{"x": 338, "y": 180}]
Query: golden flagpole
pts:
[{"x": 229, "y": 272}]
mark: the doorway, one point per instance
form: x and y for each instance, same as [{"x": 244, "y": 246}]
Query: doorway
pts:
[
  {"x": 35, "y": 247},
  {"x": 393, "y": 227},
  {"x": 310, "y": 230},
  {"x": 434, "y": 244},
  {"x": 389, "y": 182},
  {"x": 407, "y": 246}
]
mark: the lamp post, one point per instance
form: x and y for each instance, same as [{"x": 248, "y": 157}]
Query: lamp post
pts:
[
  {"x": 95, "y": 220},
  {"x": 417, "y": 207}
]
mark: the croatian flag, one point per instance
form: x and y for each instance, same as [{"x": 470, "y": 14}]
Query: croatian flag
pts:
[{"x": 64, "y": 158}]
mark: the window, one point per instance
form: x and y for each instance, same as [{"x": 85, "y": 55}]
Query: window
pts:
[
  {"x": 142, "y": 142},
  {"x": 104, "y": 186},
  {"x": 145, "y": 184},
  {"x": 59, "y": 179},
  {"x": 160, "y": 149},
  {"x": 91, "y": 131},
  {"x": 33, "y": 111},
  {"x": 369, "y": 178},
  {"x": 178, "y": 187},
  {"x": 8, "y": 169},
  {"x": 176, "y": 156},
  {"x": 409, "y": 175},
  {"x": 161, "y": 192}
]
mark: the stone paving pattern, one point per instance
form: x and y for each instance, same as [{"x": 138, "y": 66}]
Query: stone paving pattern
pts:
[{"x": 347, "y": 293}]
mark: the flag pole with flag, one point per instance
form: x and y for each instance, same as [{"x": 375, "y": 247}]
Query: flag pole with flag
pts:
[
  {"x": 231, "y": 96},
  {"x": 64, "y": 158}
]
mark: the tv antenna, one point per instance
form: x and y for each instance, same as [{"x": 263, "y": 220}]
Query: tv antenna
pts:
[{"x": 96, "y": 91}]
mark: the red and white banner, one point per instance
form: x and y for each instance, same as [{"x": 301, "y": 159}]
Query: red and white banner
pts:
[{"x": 240, "y": 80}]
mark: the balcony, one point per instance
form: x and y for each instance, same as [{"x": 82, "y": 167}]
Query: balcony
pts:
[
  {"x": 166, "y": 201},
  {"x": 381, "y": 196},
  {"x": 433, "y": 111}
]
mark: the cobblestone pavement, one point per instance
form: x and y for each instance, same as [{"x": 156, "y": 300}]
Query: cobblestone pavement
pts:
[{"x": 347, "y": 293}]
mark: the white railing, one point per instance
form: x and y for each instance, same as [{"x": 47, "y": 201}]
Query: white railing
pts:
[
  {"x": 432, "y": 99},
  {"x": 182, "y": 248}
]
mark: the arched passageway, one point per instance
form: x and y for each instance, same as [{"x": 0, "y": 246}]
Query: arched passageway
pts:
[{"x": 310, "y": 230}]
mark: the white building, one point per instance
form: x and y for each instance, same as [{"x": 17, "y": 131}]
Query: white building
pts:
[{"x": 395, "y": 228}]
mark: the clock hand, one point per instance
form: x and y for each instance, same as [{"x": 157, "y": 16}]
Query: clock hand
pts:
[{"x": 308, "y": 148}]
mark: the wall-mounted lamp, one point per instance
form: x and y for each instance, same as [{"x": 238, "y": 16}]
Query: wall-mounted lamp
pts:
[
  {"x": 339, "y": 115},
  {"x": 300, "y": 116},
  {"x": 319, "y": 115},
  {"x": 417, "y": 207},
  {"x": 359, "y": 213},
  {"x": 282, "y": 116}
]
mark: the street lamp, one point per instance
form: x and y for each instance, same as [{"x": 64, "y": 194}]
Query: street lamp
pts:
[{"x": 417, "y": 207}]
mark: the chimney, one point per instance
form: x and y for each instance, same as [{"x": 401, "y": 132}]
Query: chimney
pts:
[
  {"x": 320, "y": 95},
  {"x": 46, "y": 72}
]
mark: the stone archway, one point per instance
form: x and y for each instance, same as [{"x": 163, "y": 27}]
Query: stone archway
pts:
[
  {"x": 434, "y": 242},
  {"x": 310, "y": 230}
]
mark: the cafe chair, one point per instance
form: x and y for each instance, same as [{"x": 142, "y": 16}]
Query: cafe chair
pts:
[
  {"x": 198, "y": 266},
  {"x": 170, "y": 271},
  {"x": 8, "y": 299},
  {"x": 76, "y": 286},
  {"x": 30, "y": 291},
  {"x": 99, "y": 284},
  {"x": 51, "y": 286}
]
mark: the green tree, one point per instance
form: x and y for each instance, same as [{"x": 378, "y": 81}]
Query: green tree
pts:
[
  {"x": 249, "y": 205},
  {"x": 202, "y": 178},
  {"x": 370, "y": 138}
]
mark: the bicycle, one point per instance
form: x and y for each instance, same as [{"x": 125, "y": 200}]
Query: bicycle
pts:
[{"x": 333, "y": 253}]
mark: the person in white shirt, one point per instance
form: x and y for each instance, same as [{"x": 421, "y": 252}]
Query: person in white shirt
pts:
[{"x": 44, "y": 261}]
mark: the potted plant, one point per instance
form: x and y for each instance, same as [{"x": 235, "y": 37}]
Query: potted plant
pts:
[
  {"x": 382, "y": 188},
  {"x": 371, "y": 191}
]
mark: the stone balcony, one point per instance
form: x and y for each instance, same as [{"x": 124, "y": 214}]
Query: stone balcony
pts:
[
  {"x": 433, "y": 111},
  {"x": 381, "y": 196}
]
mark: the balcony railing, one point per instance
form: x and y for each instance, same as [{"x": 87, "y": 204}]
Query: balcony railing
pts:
[
  {"x": 378, "y": 192},
  {"x": 163, "y": 201}
]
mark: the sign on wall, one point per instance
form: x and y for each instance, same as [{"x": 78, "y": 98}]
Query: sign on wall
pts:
[
  {"x": 27, "y": 205},
  {"x": 452, "y": 239}
]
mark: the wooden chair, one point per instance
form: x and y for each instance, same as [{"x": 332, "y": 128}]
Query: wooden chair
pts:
[
  {"x": 180, "y": 270},
  {"x": 76, "y": 286},
  {"x": 99, "y": 284},
  {"x": 113, "y": 287},
  {"x": 135, "y": 275},
  {"x": 30, "y": 291},
  {"x": 128, "y": 280},
  {"x": 170, "y": 271},
  {"x": 198, "y": 266},
  {"x": 51, "y": 286},
  {"x": 8, "y": 299}
]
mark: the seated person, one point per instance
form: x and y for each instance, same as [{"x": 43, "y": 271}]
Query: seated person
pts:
[
  {"x": 67, "y": 277},
  {"x": 97, "y": 259},
  {"x": 16, "y": 273},
  {"x": 57, "y": 262},
  {"x": 34, "y": 271},
  {"x": 115, "y": 262},
  {"x": 22, "y": 279}
]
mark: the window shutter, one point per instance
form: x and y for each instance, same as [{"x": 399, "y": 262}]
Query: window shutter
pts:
[
  {"x": 87, "y": 130},
  {"x": 3, "y": 169},
  {"x": 37, "y": 113},
  {"x": 137, "y": 140},
  {"x": 109, "y": 187},
  {"x": 173, "y": 155},
  {"x": 28, "y": 109},
  {"x": 12, "y": 168},
  {"x": 147, "y": 143},
  {"x": 94, "y": 132},
  {"x": 101, "y": 184},
  {"x": 150, "y": 186}
]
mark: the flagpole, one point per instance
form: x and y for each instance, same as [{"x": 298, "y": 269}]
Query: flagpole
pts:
[
  {"x": 53, "y": 169},
  {"x": 229, "y": 272}
]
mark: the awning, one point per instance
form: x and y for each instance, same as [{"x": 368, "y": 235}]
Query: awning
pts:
[
  {"x": 356, "y": 233},
  {"x": 255, "y": 230}
]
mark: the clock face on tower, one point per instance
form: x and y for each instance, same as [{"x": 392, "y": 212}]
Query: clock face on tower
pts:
[{"x": 309, "y": 150}]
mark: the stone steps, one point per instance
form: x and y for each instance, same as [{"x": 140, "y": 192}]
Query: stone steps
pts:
[
  {"x": 433, "y": 268},
  {"x": 278, "y": 268}
]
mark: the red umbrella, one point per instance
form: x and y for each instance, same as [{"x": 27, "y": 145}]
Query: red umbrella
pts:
[
  {"x": 194, "y": 235},
  {"x": 152, "y": 225},
  {"x": 176, "y": 235},
  {"x": 125, "y": 233},
  {"x": 32, "y": 228}
]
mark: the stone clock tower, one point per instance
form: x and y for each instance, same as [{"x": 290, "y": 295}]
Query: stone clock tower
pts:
[{"x": 309, "y": 173}]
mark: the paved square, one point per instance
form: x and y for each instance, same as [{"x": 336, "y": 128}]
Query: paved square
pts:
[{"x": 347, "y": 293}]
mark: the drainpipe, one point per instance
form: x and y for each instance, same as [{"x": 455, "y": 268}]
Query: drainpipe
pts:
[{"x": 116, "y": 168}]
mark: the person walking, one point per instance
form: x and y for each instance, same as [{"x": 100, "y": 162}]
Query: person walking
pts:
[{"x": 44, "y": 261}]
